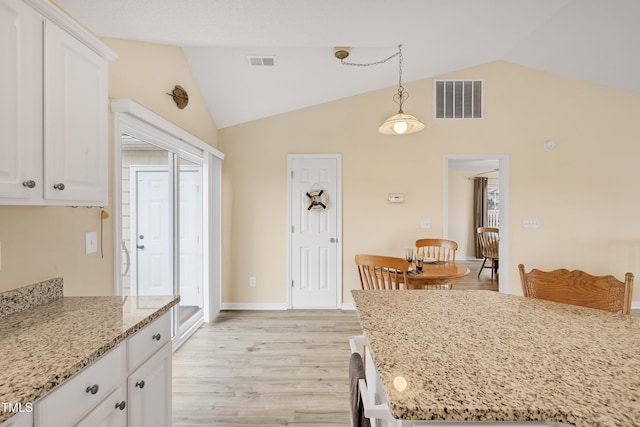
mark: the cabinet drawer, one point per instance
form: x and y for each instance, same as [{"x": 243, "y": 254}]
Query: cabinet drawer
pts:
[
  {"x": 148, "y": 340},
  {"x": 66, "y": 404}
]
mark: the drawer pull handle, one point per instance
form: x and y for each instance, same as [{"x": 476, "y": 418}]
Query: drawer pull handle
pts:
[
  {"x": 29, "y": 184},
  {"x": 156, "y": 337},
  {"x": 121, "y": 405},
  {"x": 59, "y": 186},
  {"x": 140, "y": 384},
  {"x": 93, "y": 389}
]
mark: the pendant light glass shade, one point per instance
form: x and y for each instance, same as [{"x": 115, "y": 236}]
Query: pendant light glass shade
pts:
[{"x": 401, "y": 124}]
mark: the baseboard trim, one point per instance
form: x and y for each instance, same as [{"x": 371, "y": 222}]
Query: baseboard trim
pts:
[
  {"x": 253, "y": 306},
  {"x": 270, "y": 306},
  {"x": 635, "y": 305}
]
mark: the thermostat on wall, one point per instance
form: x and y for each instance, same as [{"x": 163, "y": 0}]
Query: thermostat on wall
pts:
[{"x": 396, "y": 198}]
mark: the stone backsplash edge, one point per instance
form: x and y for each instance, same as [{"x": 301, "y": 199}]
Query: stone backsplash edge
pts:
[{"x": 17, "y": 300}]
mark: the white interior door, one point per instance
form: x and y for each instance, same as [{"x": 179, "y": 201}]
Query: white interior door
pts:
[
  {"x": 151, "y": 233},
  {"x": 315, "y": 242}
]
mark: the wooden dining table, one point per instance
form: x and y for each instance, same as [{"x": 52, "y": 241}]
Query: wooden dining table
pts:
[{"x": 436, "y": 273}]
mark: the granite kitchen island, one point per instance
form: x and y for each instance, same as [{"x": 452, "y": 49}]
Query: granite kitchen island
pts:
[{"x": 484, "y": 356}]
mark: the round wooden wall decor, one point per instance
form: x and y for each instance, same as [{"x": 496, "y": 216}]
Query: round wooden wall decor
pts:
[{"x": 180, "y": 96}]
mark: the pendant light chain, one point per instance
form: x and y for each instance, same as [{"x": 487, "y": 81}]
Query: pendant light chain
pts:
[
  {"x": 369, "y": 64},
  {"x": 398, "y": 124}
]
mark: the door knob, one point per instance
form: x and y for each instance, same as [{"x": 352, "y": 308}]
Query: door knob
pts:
[
  {"x": 333, "y": 240},
  {"x": 59, "y": 186},
  {"x": 29, "y": 184}
]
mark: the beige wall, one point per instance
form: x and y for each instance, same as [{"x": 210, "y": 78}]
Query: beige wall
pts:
[
  {"x": 583, "y": 192},
  {"x": 39, "y": 243}
]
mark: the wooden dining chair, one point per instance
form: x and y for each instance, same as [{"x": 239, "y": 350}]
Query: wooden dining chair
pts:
[
  {"x": 579, "y": 288},
  {"x": 489, "y": 242},
  {"x": 437, "y": 249},
  {"x": 381, "y": 272}
]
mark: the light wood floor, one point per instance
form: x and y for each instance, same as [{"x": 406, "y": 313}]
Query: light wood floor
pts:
[
  {"x": 273, "y": 368},
  {"x": 257, "y": 368}
]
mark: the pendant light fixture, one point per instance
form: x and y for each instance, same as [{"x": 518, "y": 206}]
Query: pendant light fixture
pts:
[
  {"x": 401, "y": 123},
  {"x": 398, "y": 124}
]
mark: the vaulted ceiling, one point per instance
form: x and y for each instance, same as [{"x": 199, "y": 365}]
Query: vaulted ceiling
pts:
[{"x": 592, "y": 40}]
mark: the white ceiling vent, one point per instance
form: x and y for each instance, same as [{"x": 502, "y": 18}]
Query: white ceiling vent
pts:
[
  {"x": 262, "y": 61},
  {"x": 458, "y": 99}
]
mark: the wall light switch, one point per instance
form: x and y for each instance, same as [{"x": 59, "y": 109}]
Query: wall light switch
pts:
[
  {"x": 91, "y": 242},
  {"x": 531, "y": 223},
  {"x": 252, "y": 281}
]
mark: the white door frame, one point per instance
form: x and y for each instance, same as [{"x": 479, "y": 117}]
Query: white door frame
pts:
[
  {"x": 503, "y": 250},
  {"x": 338, "y": 202}
]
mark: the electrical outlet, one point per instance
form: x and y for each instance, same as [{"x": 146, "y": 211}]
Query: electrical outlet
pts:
[
  {"x": 91, "y": 242},
  {"x": 425, "y": 223},
  {"x": 531, "y": 223},
  {"x": 252, "y": 281}
]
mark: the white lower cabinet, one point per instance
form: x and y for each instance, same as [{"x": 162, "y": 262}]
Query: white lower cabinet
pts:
[
  {"x": 149, "y": 391},
  {"x": 70, "y": 402},
  {"x": 128, "y": 386}
]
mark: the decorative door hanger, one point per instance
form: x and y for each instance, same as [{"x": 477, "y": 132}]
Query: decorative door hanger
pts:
[{"x": 316, "y": 199}]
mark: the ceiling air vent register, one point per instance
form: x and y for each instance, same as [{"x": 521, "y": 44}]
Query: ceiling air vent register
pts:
[
  {"x": 260, "y": 61},
  {"x": 458, "y": 99}
]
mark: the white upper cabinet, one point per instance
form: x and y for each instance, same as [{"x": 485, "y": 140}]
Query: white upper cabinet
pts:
[
  {"x": 75, "y": 119},
  {"x": 53, "y": 137},
  {"x": 21, "y": 89}
]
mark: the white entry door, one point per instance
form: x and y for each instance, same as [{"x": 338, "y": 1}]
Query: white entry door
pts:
[{"x": 315, "y": 225}]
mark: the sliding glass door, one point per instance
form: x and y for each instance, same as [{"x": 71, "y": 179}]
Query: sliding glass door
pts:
[{"x": 161, "y": 205}]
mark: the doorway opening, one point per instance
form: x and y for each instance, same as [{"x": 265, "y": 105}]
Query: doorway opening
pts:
[{"x": 459, "y": 222}]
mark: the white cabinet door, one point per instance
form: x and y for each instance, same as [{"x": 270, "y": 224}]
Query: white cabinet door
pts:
[
  {"x": 75, "y": 119},
  {"x": 20, "y": 109},
  {"x": 149, "y": 391},
  {"x": 112, "y": 412}
]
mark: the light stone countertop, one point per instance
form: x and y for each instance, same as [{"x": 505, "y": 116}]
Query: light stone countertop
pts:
[
  {"x": 486, "y": 356},
  {"x": 43, "y": 346}
]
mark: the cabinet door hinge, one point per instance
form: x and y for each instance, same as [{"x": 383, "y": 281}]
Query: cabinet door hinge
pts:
[{"x": 292, "y": 283}]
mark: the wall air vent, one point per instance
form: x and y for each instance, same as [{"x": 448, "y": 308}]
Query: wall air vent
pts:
[
  {"x": 458, "y": 99},
  {"x": 262, "y": 61}
]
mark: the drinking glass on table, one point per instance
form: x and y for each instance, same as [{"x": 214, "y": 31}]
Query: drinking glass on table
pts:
[
  {"x": 408, "y": 254},
  {"x": 419, "y": 260}
]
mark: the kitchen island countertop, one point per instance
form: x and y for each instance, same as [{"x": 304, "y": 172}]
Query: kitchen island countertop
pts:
[{"x": 486, "y": 356}]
